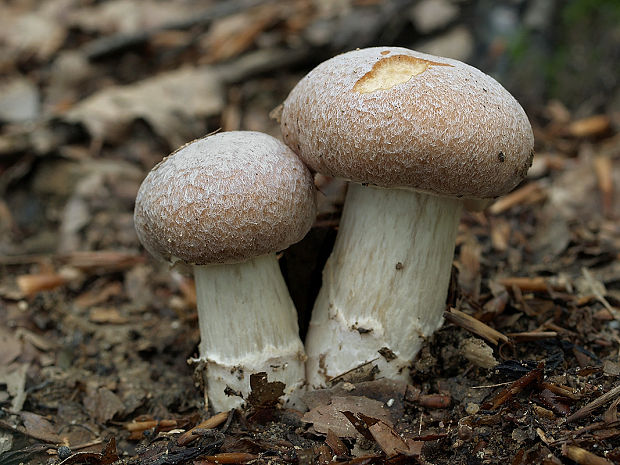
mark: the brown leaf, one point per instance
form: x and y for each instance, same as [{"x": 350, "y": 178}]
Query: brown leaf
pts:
[
  {"x": 391, "y": 392},
  {"x": 477, "y": 352},
  {"x": 38, "y": 427},
  {"x": 171, "y": 102},
  {"x": 99, "y": 294},
  {"x": 388, "y": 440},
  {"x": 330, "y": 416},
  {"x": 264, "y": 394},
  {"x": 554, "y": 402},
  {"x": 38, "y": 34},
  {"x": 14, "y": 378},
  {"x": 335, "y": 443},
  {"x": 102, "y": 404},
  {"x": 107, "y": 456},
  {"x": 233, "y": 35},
  {"x": 358, "y": 423},
  {"x": 126, "y": 17}
]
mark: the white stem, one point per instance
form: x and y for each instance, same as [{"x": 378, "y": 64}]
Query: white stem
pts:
[
  {"x": 385, "y": 283},
  {"x": 248, "y": 324}
]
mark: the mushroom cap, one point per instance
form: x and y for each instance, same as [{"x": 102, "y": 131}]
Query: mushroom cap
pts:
[
  {"x": 226, "y": 198},
  {"x": 394, "y": 117}
]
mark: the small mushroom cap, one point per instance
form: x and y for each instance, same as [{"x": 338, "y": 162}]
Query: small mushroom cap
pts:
[
  {"x": 394, "y": 117},
  {"x": 226, "y": 198}
]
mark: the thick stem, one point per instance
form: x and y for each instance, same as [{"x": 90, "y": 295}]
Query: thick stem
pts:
[
  {"x": 248, "y": 324},
  {"x": 385, "y": 283}
]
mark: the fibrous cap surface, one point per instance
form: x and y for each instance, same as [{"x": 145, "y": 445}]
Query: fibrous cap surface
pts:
[
  {"x": 394, "y": 117},
  {"x": 224, "y": 199}
]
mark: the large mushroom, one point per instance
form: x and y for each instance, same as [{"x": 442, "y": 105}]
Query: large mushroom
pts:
[
  {"x": 417, "y": 135},
  {"x": 225, "y": 204}
]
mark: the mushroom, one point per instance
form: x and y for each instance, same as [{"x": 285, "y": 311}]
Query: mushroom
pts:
[
  {"x": 225, "y": 204},
  {"x": 418, "y": 136}
]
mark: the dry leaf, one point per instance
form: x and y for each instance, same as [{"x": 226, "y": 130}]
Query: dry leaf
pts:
[
  {"x": 263, "y": 397},
  {"x": 36, "y": 34},
  {"x": 231, "y": 36},
  {"x": 102, "y": 404},
  {"x": 38, "y": 427},
  {"x": 6, "y": 442},
  {"x": 389, "y": 440},
  {"x": 330, "y": 416},
  {"x": 335, "y": 443},
  {"x": 264, "y": 394},
  {"x": 98, "y": 294},
  {"x": 41, "y": 342},
  {"x": 173, "y": 103},
  {"x": 389, "y": 392},
  {"x": 478, "y": 352},
  {"x": 14, "y": 378},
  {"x": 106, "y": 457},
  {"x": 129, "y": 16}
]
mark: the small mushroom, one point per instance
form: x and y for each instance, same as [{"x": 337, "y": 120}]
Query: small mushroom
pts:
[
  {"x": 418, "y": 136},
  {"x": 225, "y": 204}
]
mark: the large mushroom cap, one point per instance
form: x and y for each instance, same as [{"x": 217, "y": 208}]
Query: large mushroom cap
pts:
[
  {"x": 394, "y": 117},
  {"x": 226, "y": 198}
]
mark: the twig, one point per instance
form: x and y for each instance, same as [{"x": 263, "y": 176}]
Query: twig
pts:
[
  {"x": 536, "y": 284},
  {"x": 149, "y": 424},
  {"x": 589, "y": 408},
  {"x": 530, "y": 193},
  {"x": 516, "y": 387},
  {"x": 604, "y": 169},
  {"x": 488, "y": 386},
  {"x": 583, "y": 457},
  {"x": 532, "y": 335},
  {"x": 227, "y": 457},
  {"x": 209, "y": 423},
  {"x": 596, "y": 291},
  {"x": 475, "y": 326}
]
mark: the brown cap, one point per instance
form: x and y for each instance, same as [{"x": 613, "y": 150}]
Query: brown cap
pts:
[
  {"x": 223, "y": 199},
  {"x": 394, "y": 117}
]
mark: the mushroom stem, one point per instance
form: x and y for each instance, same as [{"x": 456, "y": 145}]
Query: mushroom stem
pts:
[
  {"x": 385, "y": 283},
  {"x": 248, "y": 324}
]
